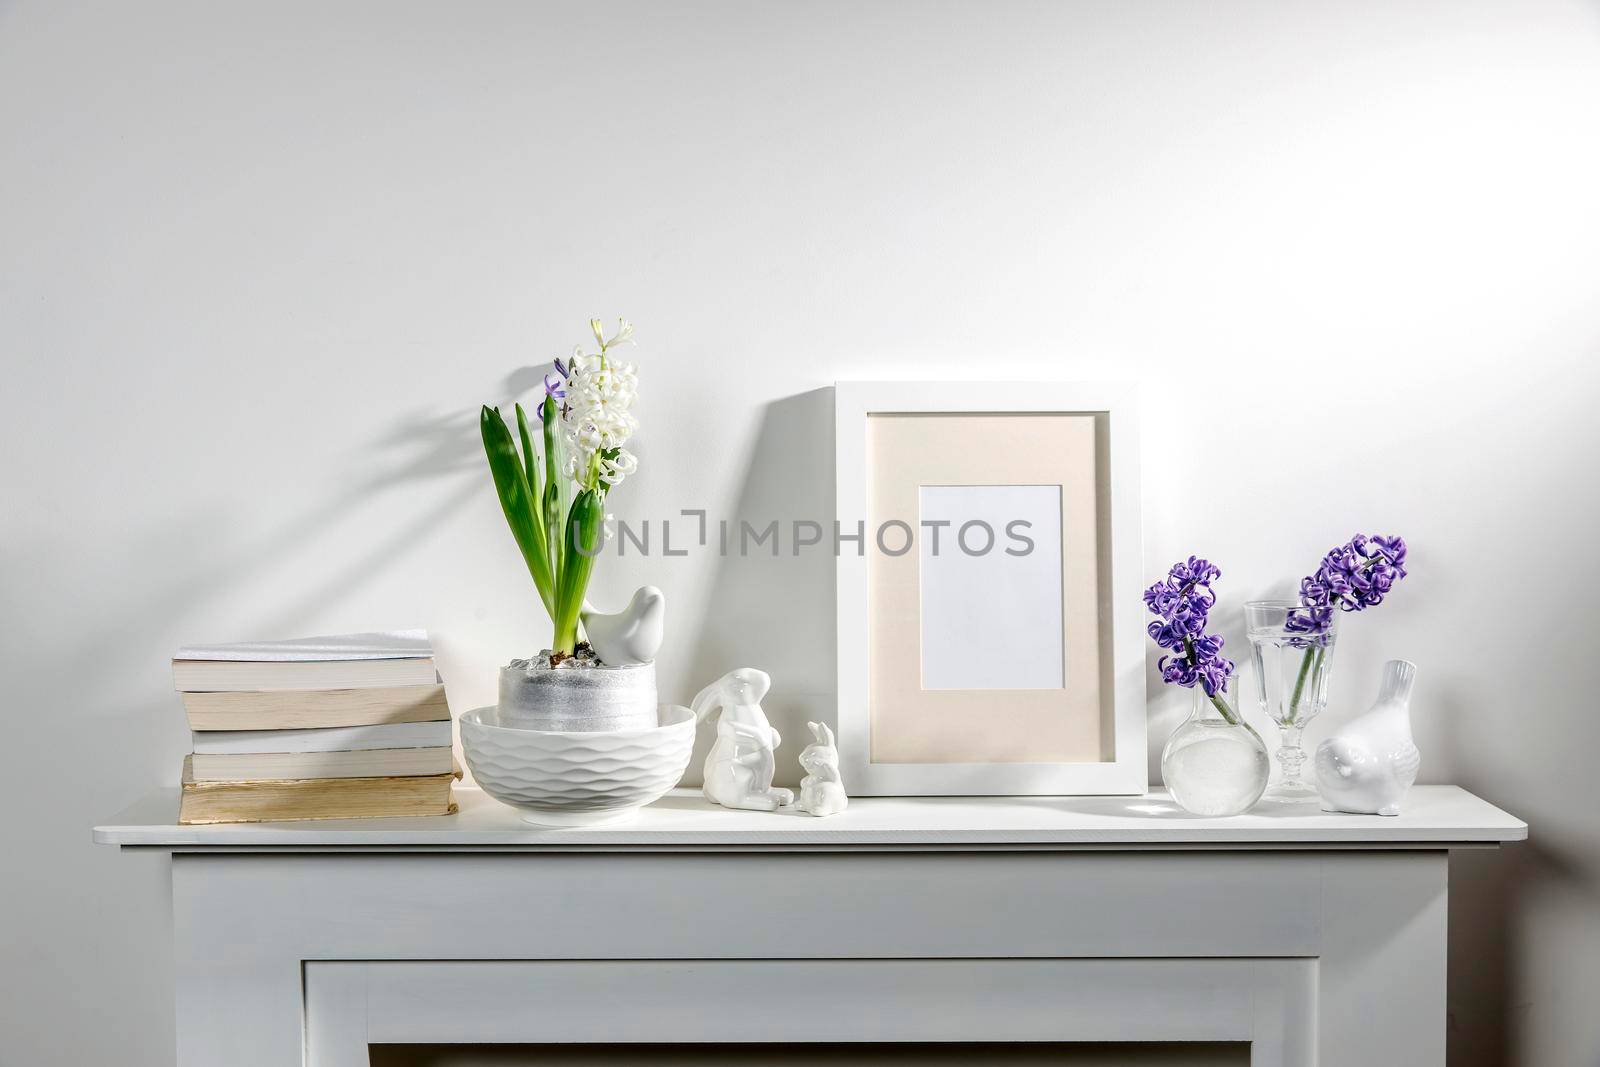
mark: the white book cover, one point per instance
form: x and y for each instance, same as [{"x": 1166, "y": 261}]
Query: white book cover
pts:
[
  {"x": 386, "y": 644},
  {"x": 329, "y": 739}
]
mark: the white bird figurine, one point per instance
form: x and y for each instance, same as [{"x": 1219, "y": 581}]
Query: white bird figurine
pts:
[
  {"x": 633, "y": 635},
  {"x": 1367, "y": 768}
]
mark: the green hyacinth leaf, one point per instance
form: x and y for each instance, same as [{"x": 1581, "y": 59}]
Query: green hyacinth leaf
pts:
[
  {"x": 553, "y": 503},
  {"x": 530, "y": 464},
  {"x": 511, "y": 484}
]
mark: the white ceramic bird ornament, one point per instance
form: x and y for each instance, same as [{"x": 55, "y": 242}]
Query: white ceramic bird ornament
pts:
[
  {"x": 738, "y": 771},
  {"x": 1367, "y": 768},
  {"x": 632, "y": 635},
  {"x": 822, "y": 789}
]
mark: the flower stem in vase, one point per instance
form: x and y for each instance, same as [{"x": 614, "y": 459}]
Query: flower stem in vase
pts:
[
  {"x": 585, "y": 538},
  {"x": 1300, "y": 685}
]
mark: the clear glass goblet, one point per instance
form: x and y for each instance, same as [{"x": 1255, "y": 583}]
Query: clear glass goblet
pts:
[{"x": 1292, "y": 670}]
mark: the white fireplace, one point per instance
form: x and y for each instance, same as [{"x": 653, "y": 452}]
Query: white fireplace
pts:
[{"x": 938, "y": 924}]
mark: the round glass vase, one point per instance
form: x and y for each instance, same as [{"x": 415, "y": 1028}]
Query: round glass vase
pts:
[
  {"x": 1292, "y": 670},
  {"x": 1215, "y": 763}
]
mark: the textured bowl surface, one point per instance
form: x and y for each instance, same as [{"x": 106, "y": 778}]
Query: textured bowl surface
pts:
[{"x": 577, "y": 778}]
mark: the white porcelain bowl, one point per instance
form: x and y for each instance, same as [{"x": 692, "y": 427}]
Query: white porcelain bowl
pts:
[{"x": 573, "y": 778}]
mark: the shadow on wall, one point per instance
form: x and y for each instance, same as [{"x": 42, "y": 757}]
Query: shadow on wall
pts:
[
  {"x": 1483, "y": 883},
  {"x": 768, "y": 607},
  {"x": 1497, "y": 899},
  {"x": 440, "y": 450},
  {"x": 1495, "y": 895},
  {"x": 418, "y": 448}
]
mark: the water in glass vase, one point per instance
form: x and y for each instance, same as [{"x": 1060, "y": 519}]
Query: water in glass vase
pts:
[
  {"x": 1214, "y": 765},
  {"x": 1292, "y": 672}
]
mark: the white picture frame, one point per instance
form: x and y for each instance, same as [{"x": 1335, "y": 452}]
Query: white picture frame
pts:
[{"x": 1119, "y": 684}]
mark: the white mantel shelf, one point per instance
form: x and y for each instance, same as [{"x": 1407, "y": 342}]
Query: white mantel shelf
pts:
[
  {"x": 1435, "y": 816},
  {"x": 1319, "y": 939}
]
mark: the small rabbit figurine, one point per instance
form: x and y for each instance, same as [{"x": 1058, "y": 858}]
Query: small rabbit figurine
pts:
[
  {"x": 738, "y": 772},
  {"x": 822, "y": 790},
  {"x": 1368, "y": 766}
]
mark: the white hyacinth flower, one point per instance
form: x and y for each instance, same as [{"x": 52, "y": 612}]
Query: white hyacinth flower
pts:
[
  {"x": 596, "y": 418},
  {"x": 618, "y": 467}
]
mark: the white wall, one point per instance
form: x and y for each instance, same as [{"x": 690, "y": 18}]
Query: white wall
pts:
[{"x": 259, "y": 264}]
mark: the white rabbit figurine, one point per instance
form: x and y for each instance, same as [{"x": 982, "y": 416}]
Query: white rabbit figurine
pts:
[
  {"x": 738, "y": 772},
  {"x": 822, "y": 790}
]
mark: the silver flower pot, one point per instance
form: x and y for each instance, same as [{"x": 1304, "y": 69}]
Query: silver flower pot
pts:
[{"x": 587, "y": 698}]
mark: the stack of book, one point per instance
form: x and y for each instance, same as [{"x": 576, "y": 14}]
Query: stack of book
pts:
[{"x": 347, "y": 727}]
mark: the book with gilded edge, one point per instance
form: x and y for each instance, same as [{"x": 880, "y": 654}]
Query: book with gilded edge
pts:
[
  {"x": 280, "y": 709},
  {"x": 278, "y": 766},
  {"x": 326, "y": 739},
  {"x": 316, "y": 798}
]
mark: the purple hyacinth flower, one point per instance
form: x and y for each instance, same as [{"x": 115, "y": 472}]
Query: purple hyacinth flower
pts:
[
  {"x": 1182, "y": 603},
  {"x": 1352, "y": 577}
]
